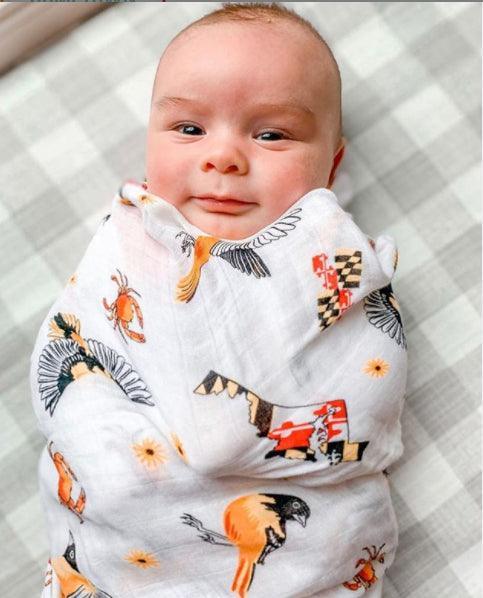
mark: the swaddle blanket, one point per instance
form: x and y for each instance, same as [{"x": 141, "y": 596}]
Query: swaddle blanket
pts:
[{"x": 219, "y": 414}]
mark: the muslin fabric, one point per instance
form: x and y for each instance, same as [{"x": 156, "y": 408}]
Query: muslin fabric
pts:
[{"x": 219, "y": 414}]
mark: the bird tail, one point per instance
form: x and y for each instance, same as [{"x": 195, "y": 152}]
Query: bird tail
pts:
[
  {"x": 243, "y": 576},
  {"x": 188, "y": 284},
  {"x": 66, "y": 326}
]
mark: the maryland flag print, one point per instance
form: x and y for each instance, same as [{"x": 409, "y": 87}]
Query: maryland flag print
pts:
[
  {"x": 298, "y": 432},
  {"x": 338, "y": 278}
]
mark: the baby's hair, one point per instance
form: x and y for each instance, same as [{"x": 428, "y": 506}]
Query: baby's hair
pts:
[
  {"x": 255, "y": 11},
  {"x": 266, "y": 12}
]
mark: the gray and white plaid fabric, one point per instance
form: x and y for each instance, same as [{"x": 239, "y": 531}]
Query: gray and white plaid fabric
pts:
[{"x": 72, "y": 127}]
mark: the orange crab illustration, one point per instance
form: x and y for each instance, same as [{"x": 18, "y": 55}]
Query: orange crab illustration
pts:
[
  {"x": 66, "y": 484},
  {"x": 123, "y": 308},
  {"x": 366, "y": 576}
]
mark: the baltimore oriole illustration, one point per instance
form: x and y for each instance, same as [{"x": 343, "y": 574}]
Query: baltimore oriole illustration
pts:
[
  {"x": 68, "y": 356},
  {"x": 72, "y": 583},
  {"x": 241, "y": 256},
  {"x": 256, "y": 525}
]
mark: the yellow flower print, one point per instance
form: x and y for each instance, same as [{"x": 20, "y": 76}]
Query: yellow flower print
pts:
[
  {"x": 142, "y": 559},
  {"x": 150, "y": 453},
  {"x": 179, "y": 447},
  {"x": 377, "y": 368}
]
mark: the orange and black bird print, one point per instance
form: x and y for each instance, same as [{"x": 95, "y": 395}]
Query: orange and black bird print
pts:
[
  {"x": 241, "y": 256},
  {"x": 256, "y": 525},
  {"x": 69, "y": 356},
  {"x": 72, "y": 583}
]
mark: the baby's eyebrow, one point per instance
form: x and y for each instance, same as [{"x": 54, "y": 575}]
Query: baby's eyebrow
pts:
[{"x": 287, "y": 106}]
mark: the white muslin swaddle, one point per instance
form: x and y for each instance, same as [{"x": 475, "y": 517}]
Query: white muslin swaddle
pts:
[{"x": 218, "y": 414}]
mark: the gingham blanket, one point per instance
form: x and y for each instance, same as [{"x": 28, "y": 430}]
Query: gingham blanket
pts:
[{"x": 243, "y": 394}]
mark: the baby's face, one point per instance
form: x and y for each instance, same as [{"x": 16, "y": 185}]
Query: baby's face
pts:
[{"x": 240, "y": 112}]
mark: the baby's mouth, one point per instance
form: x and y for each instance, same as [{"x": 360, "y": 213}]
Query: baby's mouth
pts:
[{"x": 223, "y": 204}]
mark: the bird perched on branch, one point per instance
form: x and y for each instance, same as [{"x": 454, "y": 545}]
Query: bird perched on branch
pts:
[{"x": 256, "y": 525}]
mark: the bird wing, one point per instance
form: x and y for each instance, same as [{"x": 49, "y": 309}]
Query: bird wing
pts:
[
  {"x": 242, "y": 255},
  {"x": 121, "y": 371},
  {"x": 247, "y": 521},
  {"x": 85, "y": 592},
  {"x": 382, "y": 312},
  {"x": 54, "y": 371},
  {"x": 277, "y": 230}
]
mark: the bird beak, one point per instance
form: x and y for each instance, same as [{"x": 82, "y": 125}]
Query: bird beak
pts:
[{"x": 301, "y": 519}]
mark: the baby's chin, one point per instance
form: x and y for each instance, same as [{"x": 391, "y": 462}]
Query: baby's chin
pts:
[{"x": 227, "y": 226}]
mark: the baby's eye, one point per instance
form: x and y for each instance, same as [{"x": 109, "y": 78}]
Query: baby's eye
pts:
[
  {"x": 271, "y": 136},
  {"x": 188, "y": 129}
]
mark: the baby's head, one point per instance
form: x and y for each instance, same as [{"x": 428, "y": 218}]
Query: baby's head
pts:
[{"x": 245, "y": 105}]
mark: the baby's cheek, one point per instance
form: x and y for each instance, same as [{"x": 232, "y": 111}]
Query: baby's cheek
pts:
[{"x": 165, "y": 176}]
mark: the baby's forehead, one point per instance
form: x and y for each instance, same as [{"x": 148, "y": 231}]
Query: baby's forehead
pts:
[
  {"x": 287, "y": 38},
  {"x": 242, "y": 32},
  {"x": 295, "y": 58}
]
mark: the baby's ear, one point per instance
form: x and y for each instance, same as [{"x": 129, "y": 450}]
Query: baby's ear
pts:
[{"x": 339, "y": 154}]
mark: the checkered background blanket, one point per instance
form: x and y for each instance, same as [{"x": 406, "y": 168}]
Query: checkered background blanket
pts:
[{"x": 72, "y": 127}]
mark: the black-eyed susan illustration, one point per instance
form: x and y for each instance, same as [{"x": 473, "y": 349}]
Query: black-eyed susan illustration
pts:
[
  {"x": 377, "y": 367},
  {"x": 383, "y": 312},
  {"x": 337, "y": 280},
  {"x": 299, "y": 431},
  {"x": 256, "y": 525},
  {"x": 72, "y": 583},
  {"x": 71, "y": 494},
  {"x": 68, "y": 356},
  {"x": 149, "y": 453},
  {"x": 142, "y": 559},
  {"x": 366, "y": 574},
  {"x": 123, "y": 309},
  {"x": 178, "y": 447},
  {"x": 241, "y": 256}
]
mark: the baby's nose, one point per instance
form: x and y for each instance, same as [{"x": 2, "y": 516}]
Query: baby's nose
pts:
[{"x": 225, "y": 159}]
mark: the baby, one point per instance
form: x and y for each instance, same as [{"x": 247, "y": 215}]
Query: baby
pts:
[{"x": 197, "y": 409}]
